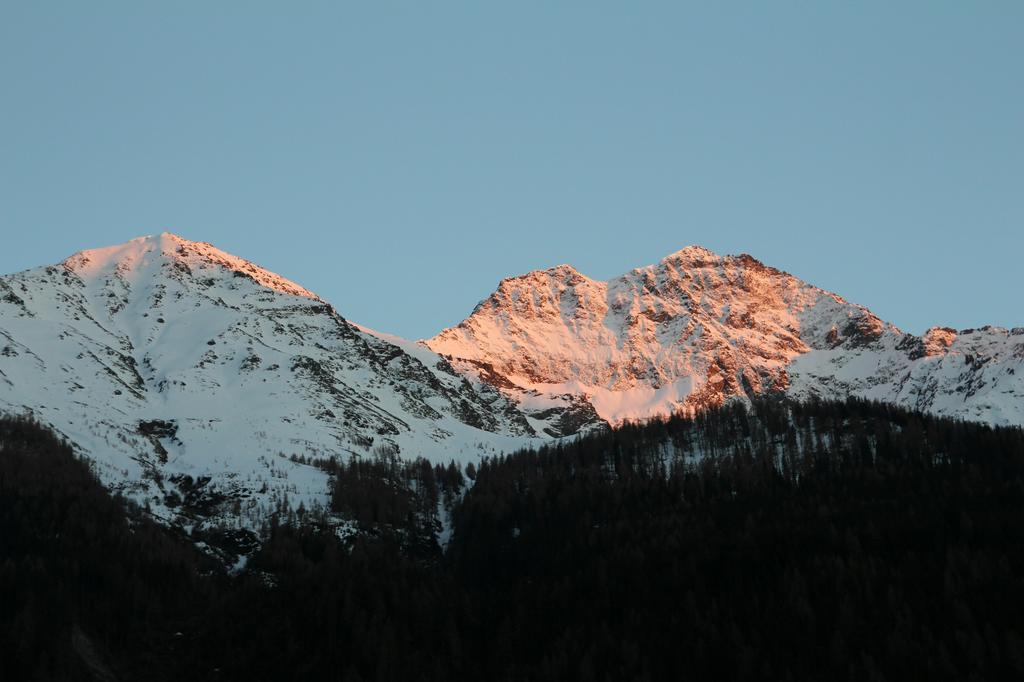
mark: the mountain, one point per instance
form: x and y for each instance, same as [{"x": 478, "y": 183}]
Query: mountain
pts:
[
  {"x": 208, "y": 387},
  {"x": 698, "y": 329},
  {"x": 194, "y": 378}
]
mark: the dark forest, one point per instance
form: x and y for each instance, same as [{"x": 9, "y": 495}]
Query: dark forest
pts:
[{"x": 776, "y": 541}]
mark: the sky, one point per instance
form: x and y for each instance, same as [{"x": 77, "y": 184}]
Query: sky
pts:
[{"x": 400, "y": 158}]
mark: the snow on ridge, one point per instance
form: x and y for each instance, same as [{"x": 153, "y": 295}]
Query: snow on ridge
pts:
[
  {"x": 130, "y": 259},
  {"x": 168, "y": 360},
  {"x": 696, "y": 329},
  {"x": 188, "y": 374}
]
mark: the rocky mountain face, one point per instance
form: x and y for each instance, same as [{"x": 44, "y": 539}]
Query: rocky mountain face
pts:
[
  {"x": 698, "y": 329},
  {"x": 202, "y": 385},
  {"x": 193, "y": 377}
]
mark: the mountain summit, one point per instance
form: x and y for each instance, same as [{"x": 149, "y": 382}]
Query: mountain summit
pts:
[
  {"x": 133, "y": 261},
  {"x": 200, "y": 383},
  {"x": 194, "y": 378},
  {"x": 697, "y": 329}
]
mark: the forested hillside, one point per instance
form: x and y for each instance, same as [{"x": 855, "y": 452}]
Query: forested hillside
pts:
[
  {"x": 825, "y": 541},
  {"x": 849, "y": 541},
  {"x": 88, "y": 584}
]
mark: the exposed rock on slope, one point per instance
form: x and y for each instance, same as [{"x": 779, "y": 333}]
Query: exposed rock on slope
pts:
[
  {"x": 697, "y": 329},
  {"x": 192, "y": 377}
]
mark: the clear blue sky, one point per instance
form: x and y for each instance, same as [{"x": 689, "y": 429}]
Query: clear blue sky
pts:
[{"x": 401, "y": 158}]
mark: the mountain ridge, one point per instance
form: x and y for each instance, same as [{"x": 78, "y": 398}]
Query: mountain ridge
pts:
[
  {"x": 194, "y": 378},
  {"x": 201, "y": 383},
  {"x": 696, "y": 329}
]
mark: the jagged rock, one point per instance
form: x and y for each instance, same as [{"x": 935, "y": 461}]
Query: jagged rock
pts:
[
  {"x": 145, "y": 356},
  {"x": 170, "y": 361},
  {"x": 698, "y": 329}
]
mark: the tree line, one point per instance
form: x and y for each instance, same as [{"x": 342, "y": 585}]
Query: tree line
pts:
[{"x": 776, "y": 540}]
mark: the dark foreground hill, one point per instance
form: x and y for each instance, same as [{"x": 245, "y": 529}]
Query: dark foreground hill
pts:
[{"x": 778, "y": 541}]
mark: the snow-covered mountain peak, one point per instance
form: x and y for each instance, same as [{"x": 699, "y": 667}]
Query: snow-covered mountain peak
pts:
[
  {"x": 564, "y": 273},
  {"x": 179, "y": 366},
  {"x": 126, "y": 257},
  {"x": 693, "y": 255},
  {"x": 135, "y": 260},
  {"x": 187, "y": 372},
  {"x": 697, "y": 328}
]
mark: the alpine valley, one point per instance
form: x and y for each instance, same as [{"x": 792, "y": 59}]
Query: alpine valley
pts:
[{"x": 182, "y": 371}]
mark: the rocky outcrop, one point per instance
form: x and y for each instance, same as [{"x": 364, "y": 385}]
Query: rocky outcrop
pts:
[
  {"x": 166, "y": 360},
  {"x": 698, "y": 329}
]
